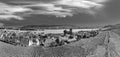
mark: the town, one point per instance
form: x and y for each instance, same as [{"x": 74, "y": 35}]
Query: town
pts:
[{"x": 38, "y": 38}]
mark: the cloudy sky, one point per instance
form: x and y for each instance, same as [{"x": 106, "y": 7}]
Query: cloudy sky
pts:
[{"x": 89, "y": 12}]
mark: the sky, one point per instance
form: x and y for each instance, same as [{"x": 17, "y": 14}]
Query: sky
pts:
[{"x": 76, "y": 12}]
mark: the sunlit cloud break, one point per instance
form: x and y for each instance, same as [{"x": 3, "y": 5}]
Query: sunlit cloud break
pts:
[{"x": 58, "y": 8}]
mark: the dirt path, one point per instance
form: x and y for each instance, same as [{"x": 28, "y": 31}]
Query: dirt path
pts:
[{"x": 114, "y": 45}]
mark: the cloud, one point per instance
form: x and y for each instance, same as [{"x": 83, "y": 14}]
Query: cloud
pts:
[
  {"x": 58, "y": 8},
  {"x": 63, "y": 8},
  {"x": 8, "y": 12},
  {"x": 8, "y": 17}
]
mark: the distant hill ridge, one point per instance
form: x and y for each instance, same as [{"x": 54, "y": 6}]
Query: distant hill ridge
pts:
[
  {"x": 54, "y": 27},
  {"x": 48, "y": 26}
]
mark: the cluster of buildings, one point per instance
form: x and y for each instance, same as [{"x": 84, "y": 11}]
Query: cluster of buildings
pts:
[{"x": 32, "y": 38}]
